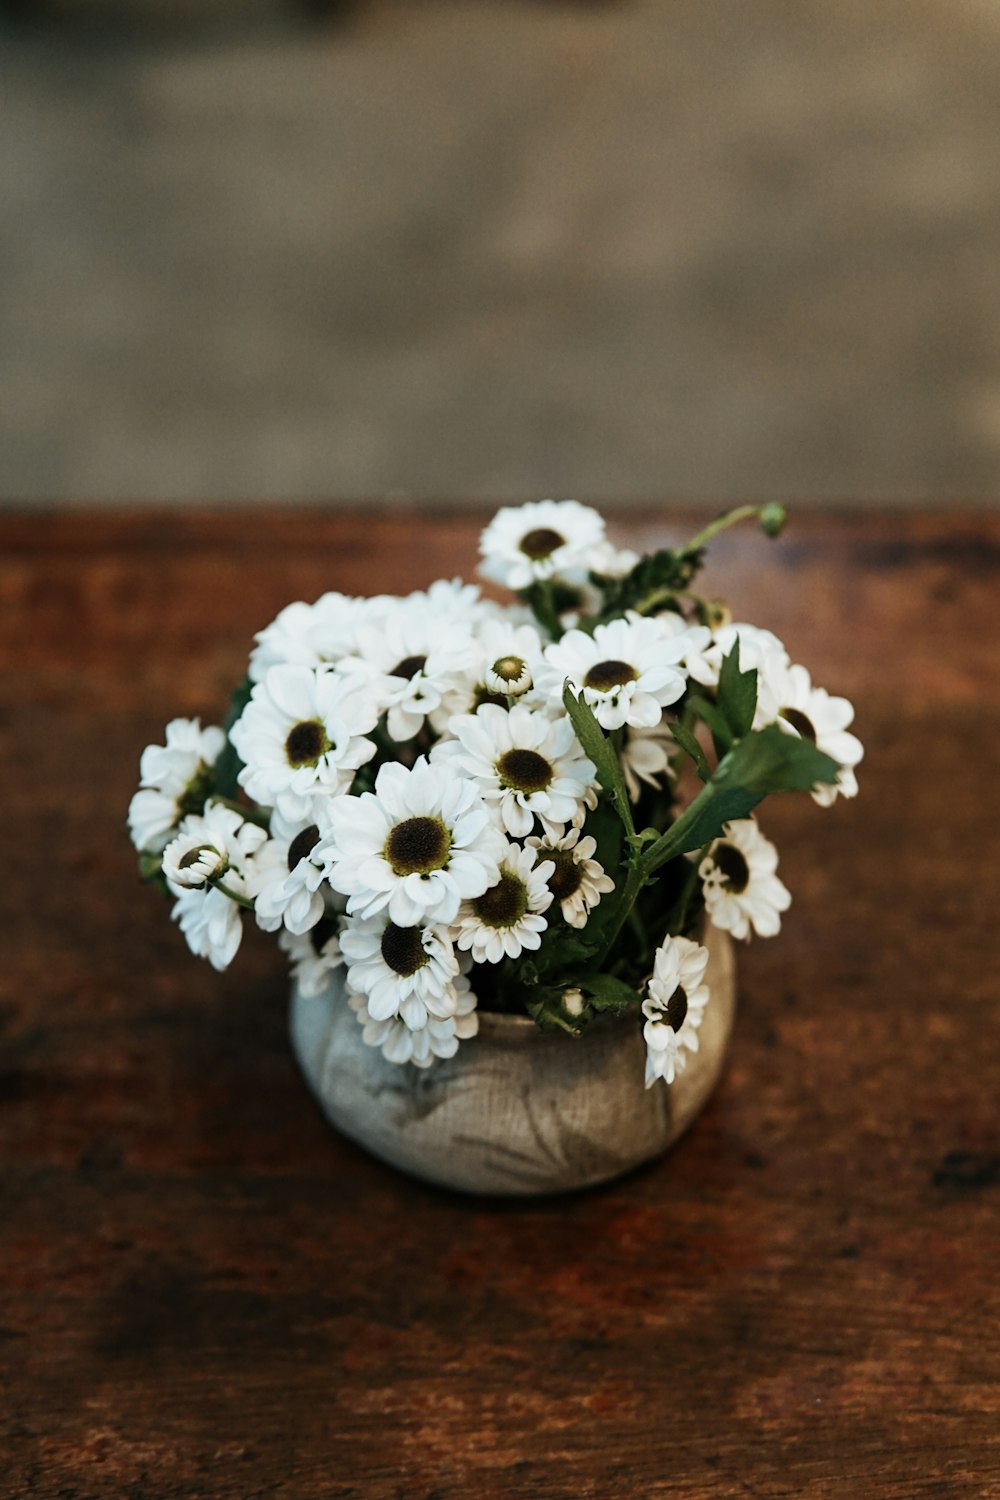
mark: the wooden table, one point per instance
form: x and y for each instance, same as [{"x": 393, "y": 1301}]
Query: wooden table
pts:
[{"x": 205, "y": 1292}]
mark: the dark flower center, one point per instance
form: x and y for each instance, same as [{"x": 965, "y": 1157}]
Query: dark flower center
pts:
[
  {"x": 418, "y": 846},
  {"x": 676, "y": 1009},
  {"x": 505, "y": 903},
  {"x": 409, "y": 666},
  {"x": 194, "y": 855},
  {"x": 306, "y": 742},
  {"x": 524, "y": 770},
  {"x": 605, "y": 675},
  {"x": 302, "y": 845},
  {"x": 735, "y": 870},
  {"x": 801, "y": 722},
  {"x": 402, "y": 949},
  {"x": 540, "y": 542},
  {"x": 567, "y": 877},
  {"x": 508, "y": 668}
]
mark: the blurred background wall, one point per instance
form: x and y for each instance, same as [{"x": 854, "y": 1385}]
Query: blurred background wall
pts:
[{"x": 492, "y": 249}]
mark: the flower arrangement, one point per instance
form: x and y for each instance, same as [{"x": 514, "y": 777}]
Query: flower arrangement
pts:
[{"x": 528, "y": 808}]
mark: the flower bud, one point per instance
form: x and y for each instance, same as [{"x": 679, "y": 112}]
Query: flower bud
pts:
[
  {"x": 190, "y": 863},
  {"x": 572, "y": 1001},
  {"x": 772, "y": 519}
]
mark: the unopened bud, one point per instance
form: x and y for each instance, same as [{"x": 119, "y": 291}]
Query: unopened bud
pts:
[
  {"x": 772, "y": 519},
  {"x": 572, "y": 1001},
  {"x": 190, "y": 863}
]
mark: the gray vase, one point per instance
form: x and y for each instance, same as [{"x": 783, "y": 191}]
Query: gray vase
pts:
[{"x": 516, "y": 1110}]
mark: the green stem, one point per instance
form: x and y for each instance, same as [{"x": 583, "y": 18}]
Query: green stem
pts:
[
  {"x": 540, "y": 598},
  {"x": 635, "y": 922},
  {"x": 677, "y": 925},
  {"x": 771, "y": 517},
  {"x": 664, "y": 594},
  {"x": 634, "y": 882},
  {"x": 243, "y": 901},
  {"x": 638, "y": 874}
]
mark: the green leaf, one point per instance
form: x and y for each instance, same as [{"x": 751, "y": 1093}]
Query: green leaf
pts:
[
  {"x": 713, "y": 716},
  {"x": 768, "y": 760},
  {"x": 604, "y": 825},
  {"x": 563, "y": 949},
  {"x": 772, "y": 761},
  {"x": 608, "y": 993},
  {"x": 548, "y": 1014},
  {"x": 702, "y": 821},
  {"x": 682, "y": 734},
  {"x": 599, "y": 749},
  {"x": 651, "y": 583},
  {"x": 737, "y": 693}
]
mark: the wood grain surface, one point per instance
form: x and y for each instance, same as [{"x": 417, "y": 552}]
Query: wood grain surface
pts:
[{"x": 206, "y": 1292}]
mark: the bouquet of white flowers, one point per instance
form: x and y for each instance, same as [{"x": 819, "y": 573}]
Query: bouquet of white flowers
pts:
[{"x": 528, "y": 808}]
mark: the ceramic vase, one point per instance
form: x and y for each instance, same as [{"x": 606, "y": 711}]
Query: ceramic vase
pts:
[{"x": 517, "y": 1110}]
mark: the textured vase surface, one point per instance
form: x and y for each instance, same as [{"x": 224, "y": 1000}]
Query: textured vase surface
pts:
[{"x": 516, "y": 1110}]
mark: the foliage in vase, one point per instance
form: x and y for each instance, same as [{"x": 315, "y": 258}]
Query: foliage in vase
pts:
[{"x": 530, "y": 807}]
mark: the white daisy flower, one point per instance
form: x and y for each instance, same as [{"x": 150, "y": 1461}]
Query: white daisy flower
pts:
[
  {"x": 813, "y": 714},
  {"x": 309, "y": 635},
  {"x": 522, "y": 763},
  {"x": 190, "y": 863},
  {"x": 209, "y": 919},
  {"x": 153, "y": 816},
  {"x": 415, "y": 848},
  {"x": 289, "y": 885},
  {"x": 452, "y": 601},
  {"x": 739, "y": 882},
  {"x": 220, "y": 840},
  {"x": 302, "y": 737},
  {"x": 402, "y": 971},
  {"x": 503, "y": 659},
  {"x": 627, "y": 670},
  {"x": 169, "y": 778},
  {"x": 408, "y": 660},
  {"x": 400, "y": 1043},
  {"x": 314, "y": 955},
  {"x": 527, "y": 543},
  {"x": 578, "y": 880},
  {"x": 509, "y": 655},
  {"x": 211, "y": 924},
  {"x": 674, "y": 1006},
  {"x": 690, "y": 644},
  {"x": 188, "y": 749},
  {"x": 507, "y": 919}
]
